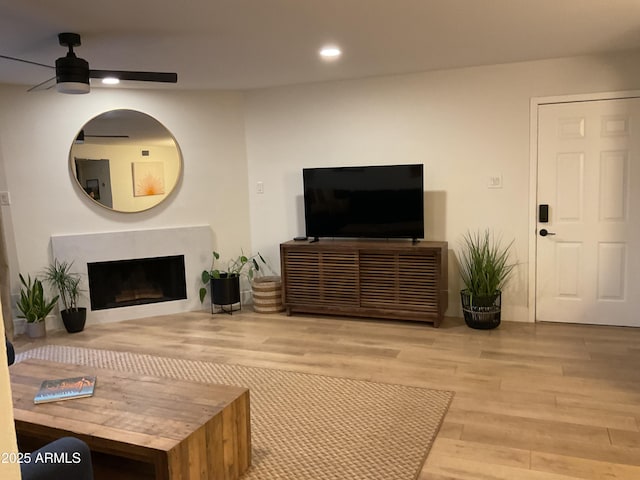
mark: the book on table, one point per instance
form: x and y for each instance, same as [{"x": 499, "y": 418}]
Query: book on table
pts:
[{"x": 65, "y": 389}]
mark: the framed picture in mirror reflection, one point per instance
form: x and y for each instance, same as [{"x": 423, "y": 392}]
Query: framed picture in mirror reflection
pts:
[{"x": 148, "y": 178}]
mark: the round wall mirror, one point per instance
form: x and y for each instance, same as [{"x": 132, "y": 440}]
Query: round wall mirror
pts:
[{"x": 125, "y": 161}]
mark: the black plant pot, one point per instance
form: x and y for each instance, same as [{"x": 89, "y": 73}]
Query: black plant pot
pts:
[
  {"x": 481, "y": 312},
  {"x": 74, "y": 319},
  {"x": 225, "y": 290}
]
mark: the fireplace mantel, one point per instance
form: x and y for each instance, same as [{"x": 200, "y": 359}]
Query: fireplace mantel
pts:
[{"x": 194, "y": 242}]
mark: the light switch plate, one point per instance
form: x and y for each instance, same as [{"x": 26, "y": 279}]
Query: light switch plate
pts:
[
  {"x": 5, "y": 198},
  {"x": 495, "y": 181}
]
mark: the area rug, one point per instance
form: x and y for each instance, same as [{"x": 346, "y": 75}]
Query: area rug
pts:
[{"x": 304, "y": 426}]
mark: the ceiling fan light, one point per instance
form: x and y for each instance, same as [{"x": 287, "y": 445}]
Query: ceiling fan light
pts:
[
  {"x": 72, "y": 87},
  {"x": 110, "y": 80}
]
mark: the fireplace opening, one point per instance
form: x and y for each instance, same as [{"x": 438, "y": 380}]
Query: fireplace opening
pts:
[{"x": 123, "y": 283}]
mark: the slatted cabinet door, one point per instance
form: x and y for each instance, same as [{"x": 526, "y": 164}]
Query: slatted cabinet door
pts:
[
  {"x": 400, "y": 280},
  {"x": 321, "y": 278}
]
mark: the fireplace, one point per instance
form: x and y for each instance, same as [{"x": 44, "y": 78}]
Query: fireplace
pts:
[
  {"x": 123, "y": 283},
  {"x": 83, "y": 249}
]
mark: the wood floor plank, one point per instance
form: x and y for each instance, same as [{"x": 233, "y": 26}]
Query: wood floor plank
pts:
[
  {"x": 479, "y": 452},
  {"x": 582, "y": 468},
  {"x": 532, "y": 401},
  {"x": 551, "y": 440},
  {"x": 630, "y": 406},
  {"x": 455, "y": 468},
  {"x": 625, "y": 438},
  {"x": 545, "y": 412}
]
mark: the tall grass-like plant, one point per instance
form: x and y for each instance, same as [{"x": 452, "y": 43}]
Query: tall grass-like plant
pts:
[
  {"x": 59, "y": 276},
  {"x": 484, "y": 264}
]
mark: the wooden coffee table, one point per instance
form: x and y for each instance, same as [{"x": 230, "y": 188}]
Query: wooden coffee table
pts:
[{"x": 181, "y": 429}]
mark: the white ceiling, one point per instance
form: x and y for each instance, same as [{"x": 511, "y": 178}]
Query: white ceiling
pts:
[{"x": 243, "y": 44}]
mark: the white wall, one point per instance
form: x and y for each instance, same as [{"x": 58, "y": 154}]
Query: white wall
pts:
[
  {"x": 464, "y": 125},
  {"x": 36, "y": 133}
]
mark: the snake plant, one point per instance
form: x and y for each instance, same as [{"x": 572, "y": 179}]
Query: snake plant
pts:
[{"x": 32, "y": 303}]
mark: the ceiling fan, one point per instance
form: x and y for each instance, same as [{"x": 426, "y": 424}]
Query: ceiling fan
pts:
[
  {"x": 73, "y": 73},
  {"x": 82, "y": 135}
]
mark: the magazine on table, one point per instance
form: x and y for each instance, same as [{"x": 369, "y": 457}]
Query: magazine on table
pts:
[{"x": 65, "y": 389}]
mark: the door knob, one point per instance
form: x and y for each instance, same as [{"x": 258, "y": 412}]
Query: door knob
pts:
[{"x": 544, "y": 232}]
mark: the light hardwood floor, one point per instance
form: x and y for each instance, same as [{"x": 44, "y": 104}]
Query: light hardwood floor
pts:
[{"x": 532, "y": 401}]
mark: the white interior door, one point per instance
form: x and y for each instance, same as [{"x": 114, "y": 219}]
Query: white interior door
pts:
[{"x": 588, "y": 266}]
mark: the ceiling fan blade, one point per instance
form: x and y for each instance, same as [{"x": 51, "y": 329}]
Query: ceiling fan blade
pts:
[
  {"x": 82, "y": 136},
  {"x": 137, "y": 76},
  {"x": 7, "y": 57},
  {"x": 46, "y": 85},
  {"x": 106, "y": 136}
]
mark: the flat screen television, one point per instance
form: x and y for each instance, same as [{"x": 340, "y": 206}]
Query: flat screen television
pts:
[{"x": 385, "y": 201}]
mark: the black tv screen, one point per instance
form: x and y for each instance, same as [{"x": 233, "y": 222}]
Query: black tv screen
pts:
[{"x": 375, "y": 201}]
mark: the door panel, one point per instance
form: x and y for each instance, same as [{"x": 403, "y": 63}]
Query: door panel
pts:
[
  {"x": 588, "y": 268},
  {"x": 569, "y": 263},
  {"x": 570, "y": 175},
  {"x": 613, "y": 186}
]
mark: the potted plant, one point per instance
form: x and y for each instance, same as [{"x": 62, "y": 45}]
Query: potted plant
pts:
[
  {"x": 225, "y": 283},
  {"x": 485, "y": 269},
  {"x": 59, "y": 276},
  {"x": 33, "y": 306}
]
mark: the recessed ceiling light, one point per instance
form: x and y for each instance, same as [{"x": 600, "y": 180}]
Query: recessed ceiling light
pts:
[
  {"x": 330, "y": 52},
  {"x": 111, "y": 81}
]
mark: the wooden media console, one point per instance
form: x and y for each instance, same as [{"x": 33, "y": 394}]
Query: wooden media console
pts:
[{"x": 368, "y": 278}]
